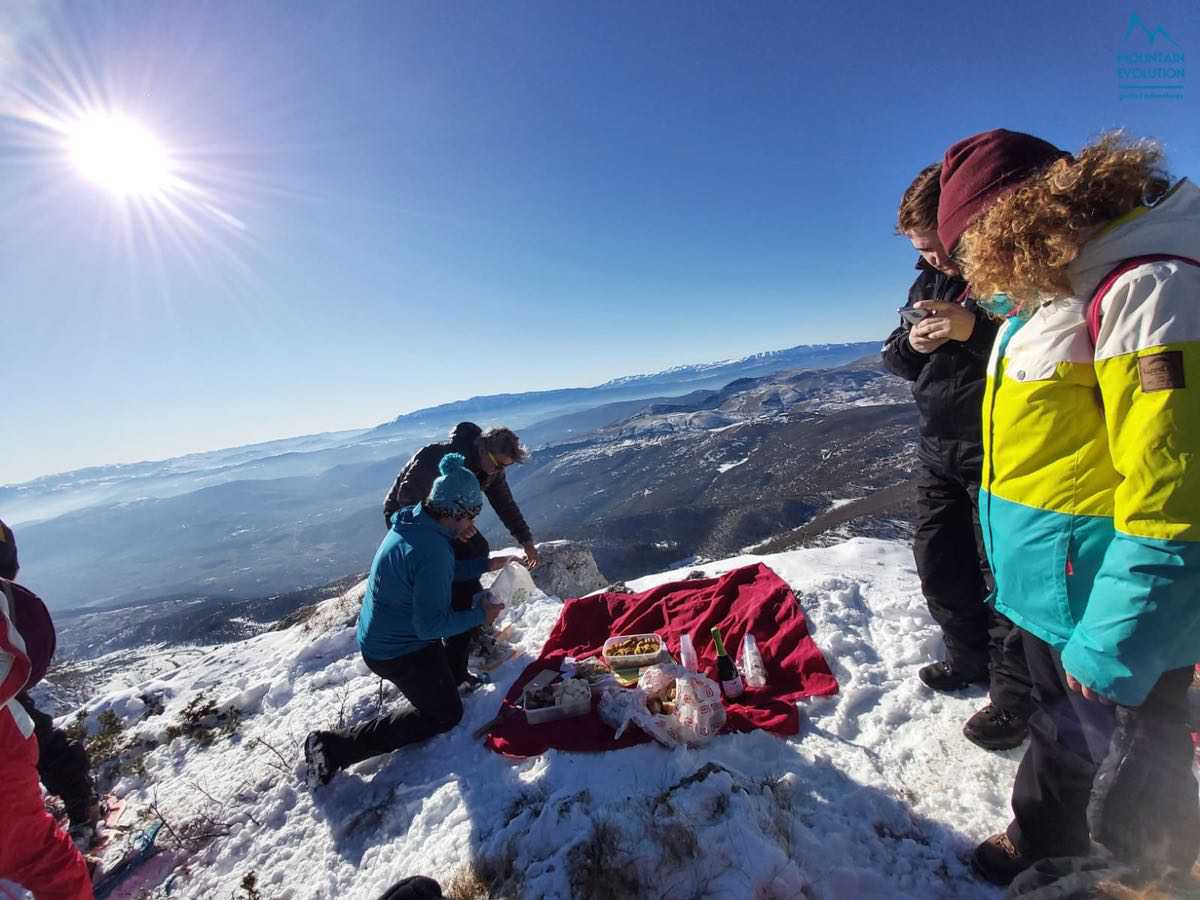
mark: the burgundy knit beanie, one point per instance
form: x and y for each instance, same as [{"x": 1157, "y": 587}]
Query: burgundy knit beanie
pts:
[{"x": 978, "y": 170}]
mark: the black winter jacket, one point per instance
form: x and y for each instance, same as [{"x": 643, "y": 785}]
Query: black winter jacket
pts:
[
  {"x": 947, "y": 383},
  {"x": 416, "y": 479}
]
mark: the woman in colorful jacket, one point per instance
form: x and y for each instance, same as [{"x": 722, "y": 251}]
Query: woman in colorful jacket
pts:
[{"x": 1090, "y": 504}]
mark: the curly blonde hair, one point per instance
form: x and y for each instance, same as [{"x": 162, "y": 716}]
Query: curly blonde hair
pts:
[{"x": 1023, "y": 244}]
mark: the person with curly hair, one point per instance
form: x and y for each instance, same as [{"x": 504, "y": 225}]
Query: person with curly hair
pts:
[
  {"x": 1090, "y": 500},
  {"x": 945, "y": 355}
]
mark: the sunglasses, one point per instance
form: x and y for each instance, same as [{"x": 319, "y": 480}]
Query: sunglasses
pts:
[{"x": 497, "y": 463}]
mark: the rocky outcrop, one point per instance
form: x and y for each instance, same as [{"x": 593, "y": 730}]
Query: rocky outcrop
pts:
[{"x": 567, "y": 569}]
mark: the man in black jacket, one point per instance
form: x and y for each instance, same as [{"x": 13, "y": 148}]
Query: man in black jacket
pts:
[
  {"x": 488, "y": 454},
  {"x": 945, "y": 356}
]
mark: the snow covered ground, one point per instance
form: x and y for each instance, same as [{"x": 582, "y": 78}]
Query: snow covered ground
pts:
[{"x": 878, "y": 796}]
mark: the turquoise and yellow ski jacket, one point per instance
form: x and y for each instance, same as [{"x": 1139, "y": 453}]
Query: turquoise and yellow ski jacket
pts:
[{"x": 1090, "y": 500}]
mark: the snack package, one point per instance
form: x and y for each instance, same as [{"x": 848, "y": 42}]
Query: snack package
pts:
[
  {"x": 693, "y": 716},
  {"x": 698, "y": 707}
]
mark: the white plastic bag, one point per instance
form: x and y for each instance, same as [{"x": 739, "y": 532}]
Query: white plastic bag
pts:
[
  {"x": 698, "y": 707},
  {"x": 513, "y": 585},
  {"x": 696, "y": 719},
  {"x": 619, "y": 707}
]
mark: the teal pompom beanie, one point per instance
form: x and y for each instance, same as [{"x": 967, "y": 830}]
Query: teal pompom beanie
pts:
[{"x": 456, "y": 493}]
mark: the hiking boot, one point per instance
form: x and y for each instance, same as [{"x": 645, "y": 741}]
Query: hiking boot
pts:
[
  {"x": 83, "y": 836},
  {"x": 316, "y": 754},
  {"x": 942, "y": 676},
  {"x": 473, "y": 682},
  {"x": 997, "y": 860},
  {"x": 83, "y": 823},
  {"x": 993, "y": 728},
  {"x": 89, "y": 811},
  {"x": 488, "y": 652}
]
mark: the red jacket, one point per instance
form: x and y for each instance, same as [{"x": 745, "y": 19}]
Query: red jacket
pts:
[{"x": 34, "y": 852}]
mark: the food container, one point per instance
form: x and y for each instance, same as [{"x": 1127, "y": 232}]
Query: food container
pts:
[
  {"x": 572, "y": 697},
  {"x": 593, "y": 671},
  {"x": 647, "y": 657}
]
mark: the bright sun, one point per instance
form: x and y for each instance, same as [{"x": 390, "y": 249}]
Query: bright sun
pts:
[{"x": 120, "y": 155}]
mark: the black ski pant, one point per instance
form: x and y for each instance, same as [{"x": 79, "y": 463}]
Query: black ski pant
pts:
[
  {"x": 429, "y": 680},
  {"x": 1143, "y": 804},
  {"x": 955, "y": 576},
  {"x": 63, "y": 765}
]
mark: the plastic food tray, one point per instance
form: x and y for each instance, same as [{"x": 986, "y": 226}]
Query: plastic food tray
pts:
[
  {"x": 636, "y": 660},
  {"x": 558, "y": 711}
]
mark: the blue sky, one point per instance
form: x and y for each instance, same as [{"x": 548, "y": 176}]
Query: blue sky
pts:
[{"x": 409, "y": 203}]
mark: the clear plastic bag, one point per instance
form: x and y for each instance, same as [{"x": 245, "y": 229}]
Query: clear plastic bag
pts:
[
  {"x": 697, "y": 716},
  {"x": 619, "y": 707}
]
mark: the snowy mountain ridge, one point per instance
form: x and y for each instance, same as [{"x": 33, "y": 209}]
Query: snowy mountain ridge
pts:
[
  {"x": 861, "y": 804},
  {"x": 764, "y": 356}
]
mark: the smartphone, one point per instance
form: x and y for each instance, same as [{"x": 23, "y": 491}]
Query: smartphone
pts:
[{"x": 910, "y": 315}]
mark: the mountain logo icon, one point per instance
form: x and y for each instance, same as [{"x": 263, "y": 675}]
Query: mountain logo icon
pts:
[{"x": 1152, "y": 34}]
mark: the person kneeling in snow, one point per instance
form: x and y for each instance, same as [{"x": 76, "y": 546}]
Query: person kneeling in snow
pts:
[
  {"x": 488, "y": 454},
  {"x": 407, "y": 630}
]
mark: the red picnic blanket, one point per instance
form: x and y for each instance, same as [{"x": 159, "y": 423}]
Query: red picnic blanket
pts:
[{"x": 752, "y": 599}]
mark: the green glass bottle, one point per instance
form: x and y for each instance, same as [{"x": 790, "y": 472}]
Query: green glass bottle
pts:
[{"x": 727, "y": 673}]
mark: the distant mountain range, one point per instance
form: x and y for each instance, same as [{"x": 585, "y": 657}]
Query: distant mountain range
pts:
[
  {"x": 710, "y": 474},
  {"x": 288, "y": 515},
  {"x": 308, "y": 456}
]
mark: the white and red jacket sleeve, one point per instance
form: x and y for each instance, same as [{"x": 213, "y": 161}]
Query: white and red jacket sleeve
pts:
[{"x": 15, "y": 724}]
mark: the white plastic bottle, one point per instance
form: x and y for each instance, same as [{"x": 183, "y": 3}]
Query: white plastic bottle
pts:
[
  {"x": 751, "y": 663},
  {"x": 687, "y": 653}
]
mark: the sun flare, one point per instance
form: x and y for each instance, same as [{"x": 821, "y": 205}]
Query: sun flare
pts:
[{"x": 120, "y": 155}]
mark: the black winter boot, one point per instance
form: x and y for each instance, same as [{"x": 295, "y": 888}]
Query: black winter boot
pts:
[
  {"x": 993, "y": 728},
  {"x": 942, "y": 676},
  {"x": 316, "y": 753},
  {"x": 997, "y": 860}
]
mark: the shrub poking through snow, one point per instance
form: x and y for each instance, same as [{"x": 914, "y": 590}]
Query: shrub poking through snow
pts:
[
  {"x": 248, "y": 889},
  {"x": 77, "y": 729},
  {"x": 105, "y": 744},
  {"x": 202, "y": 721},
  {"x": 602, "y": 867},
  {"x": 487, "y": 878}
]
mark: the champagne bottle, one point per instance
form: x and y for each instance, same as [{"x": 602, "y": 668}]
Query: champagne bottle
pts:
[{"x": 727, "y": 673}]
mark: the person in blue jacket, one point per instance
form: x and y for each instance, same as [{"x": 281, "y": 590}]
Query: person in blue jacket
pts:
[{"x": 406, "y": 620}]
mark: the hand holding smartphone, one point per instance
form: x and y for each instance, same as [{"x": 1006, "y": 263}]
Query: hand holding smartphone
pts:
[{"x": 911, "y": 315}]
